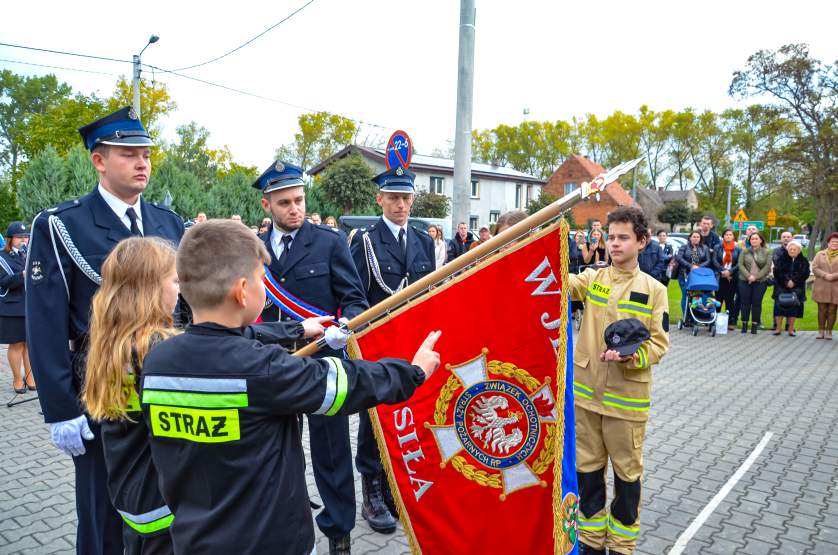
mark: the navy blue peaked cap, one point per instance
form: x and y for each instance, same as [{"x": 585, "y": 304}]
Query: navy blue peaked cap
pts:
[
  {"x": 396, "y": 180},
  {"x": 121, "y": 128},
  {"x": 279, "y": 175}
]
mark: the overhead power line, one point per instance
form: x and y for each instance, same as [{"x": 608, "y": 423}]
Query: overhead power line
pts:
[
  {"x": 271, "y": 28},
  {"x": 57, "y": 67},
  {"x": 65, "y": 53},
  {"x": 259, "y": 96}
]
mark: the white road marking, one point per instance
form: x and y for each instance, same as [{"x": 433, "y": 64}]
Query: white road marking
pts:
[{"x": 686, "y": 536}]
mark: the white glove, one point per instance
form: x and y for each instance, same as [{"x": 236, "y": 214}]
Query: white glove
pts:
[
  {"x": 336, "y": 337},
  {"x": 69, "y": 435}
]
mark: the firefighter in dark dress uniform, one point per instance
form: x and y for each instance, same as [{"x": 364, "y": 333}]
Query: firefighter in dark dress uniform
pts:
[
  {"x": 68, "y": 245},
  {"x": 311, "y": 273},
  {"x": 389, "y": 255}
]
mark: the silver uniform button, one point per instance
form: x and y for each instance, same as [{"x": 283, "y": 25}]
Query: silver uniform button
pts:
[
  {"x": 282, "y": 280},
  {"x": 311, "y": 271}
]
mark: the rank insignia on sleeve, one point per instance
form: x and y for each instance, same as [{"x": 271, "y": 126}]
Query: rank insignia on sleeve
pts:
[
  {"x": 501, "y": 430},
  {"x": 35, "y": 271}
]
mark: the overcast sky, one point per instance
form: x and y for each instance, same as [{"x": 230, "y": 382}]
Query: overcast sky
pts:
[{"x": 394, "y": 64}]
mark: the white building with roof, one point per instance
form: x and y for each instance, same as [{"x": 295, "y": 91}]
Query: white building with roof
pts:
[{"x": 494, "y": 189}]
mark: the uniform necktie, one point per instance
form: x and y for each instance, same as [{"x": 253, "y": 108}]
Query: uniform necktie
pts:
[
  {"x": 402, "y": 242},
  {"x": 135, "y": 229},
  {"x": 286, "y": 246}
]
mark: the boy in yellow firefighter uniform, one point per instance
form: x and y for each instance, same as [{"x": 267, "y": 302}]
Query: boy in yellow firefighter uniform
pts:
[{"x": 612, "y": 393}]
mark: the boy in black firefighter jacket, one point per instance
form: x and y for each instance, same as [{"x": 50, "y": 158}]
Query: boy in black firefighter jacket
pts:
[{"x": 223, "y": 409}]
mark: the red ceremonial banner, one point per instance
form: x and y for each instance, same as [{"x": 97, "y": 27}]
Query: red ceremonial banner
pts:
[{"x": 471, "y": 454}]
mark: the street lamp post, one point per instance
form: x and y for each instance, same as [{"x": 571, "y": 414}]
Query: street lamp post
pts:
[{"x": 151, "y": 40}]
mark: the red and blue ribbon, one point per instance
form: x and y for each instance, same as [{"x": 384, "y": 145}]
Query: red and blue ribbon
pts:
[{"x": 288, "y": 303}]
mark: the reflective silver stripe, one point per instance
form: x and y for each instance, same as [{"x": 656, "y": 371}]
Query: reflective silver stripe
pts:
[
  {"x": 331, "y": 388},
  {"x": 209, "y": 385},
  {"x": 150, "y": 516}
]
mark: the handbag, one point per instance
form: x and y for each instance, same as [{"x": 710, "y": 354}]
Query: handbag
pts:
[{"x": 788, "y": 300}]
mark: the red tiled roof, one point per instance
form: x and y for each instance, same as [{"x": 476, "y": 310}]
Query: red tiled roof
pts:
[{"x": 615, "y": 190}]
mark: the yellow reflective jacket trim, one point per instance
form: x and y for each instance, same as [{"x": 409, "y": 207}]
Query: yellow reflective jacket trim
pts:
[
  {"x": 150, "y": 522},
  {"x": 626, "y": 403},
  {"x": 633, "y": 307},
  {"x": 598, "y": 294},
  {"x": 582, "y": 390},
  {"x": 642, "y": 359}
]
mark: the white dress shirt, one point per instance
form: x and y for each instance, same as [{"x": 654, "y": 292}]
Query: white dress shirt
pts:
[
  {"x": 120, "y": 207},
  {"x": 276, "y": 239},
  {"x": 395, "y": 228}
]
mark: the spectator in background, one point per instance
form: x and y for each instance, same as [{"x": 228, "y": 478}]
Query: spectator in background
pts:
[
  {"x": 708, "y": 237},
  {"x": 13, "y": 305},
  {"x": 651, "y": 259},
  {"x": 483, "y": 235},
  {"x": 236, "y": 217},
  {"x": 745, "y": 243},
  {"x": 668, "y": 253},
  {"x": 508, "y": 219},
  {"x": 779, "y": 252},
  {"x": 691, "y": 256},
  {"x": 263, "y": 229},
  {"x": 254, "y": 229},
  {"x": 727, "y": 262},
  {"x": 440, "y": 248},
  {"x": 754, "y": 267},
  {"x": 825, "y": 288},
  {"x": 595, "y": 250},
  {"x": 576, "y": 257},
  {"x": 331, "y": 222},
  {"x": 596, "y": 225},
  {"x": 461, "y": 242},
  {"x": 790, "y": 274},
  {"x": 200, "y": 218},
  {"x": 315, "y": 218}
]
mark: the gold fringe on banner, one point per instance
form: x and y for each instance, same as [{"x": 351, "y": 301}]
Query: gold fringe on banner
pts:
[{"x": 561, "y": 382}]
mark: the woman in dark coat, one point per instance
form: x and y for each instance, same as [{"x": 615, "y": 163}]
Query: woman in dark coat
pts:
[
  {"x": 13, "y": 304},
  {"x": 692, "y": 255},
  {"x": 727, "y": 265},
  {"x": 790, "y": 274}
]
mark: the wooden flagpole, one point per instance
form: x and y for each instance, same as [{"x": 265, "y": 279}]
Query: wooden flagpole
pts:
[{"x": 546, "y": 214}]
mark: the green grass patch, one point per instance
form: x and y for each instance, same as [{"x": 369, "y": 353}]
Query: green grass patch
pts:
[{"x": 809, "y": 322}]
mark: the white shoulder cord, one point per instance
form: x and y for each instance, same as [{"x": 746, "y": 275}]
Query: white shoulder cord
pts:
[
  {"x": 56, "y": 226},
  {"x": 8, "y": 270},
  {"x": 372, "y": 266}
]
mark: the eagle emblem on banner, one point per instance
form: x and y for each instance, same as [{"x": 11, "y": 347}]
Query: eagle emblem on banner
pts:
[{"x": 500, "y": 414}]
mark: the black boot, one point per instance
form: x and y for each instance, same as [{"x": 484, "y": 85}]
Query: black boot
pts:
[
  {"x": 754, "y": 326},
  {"x": 388, "y": 495},
  {"x": 744, "y": 327},
  {"x": 374, "y": 510},
  {"x": 585, "y": 549},
  {"x": 340, "y": 546}
]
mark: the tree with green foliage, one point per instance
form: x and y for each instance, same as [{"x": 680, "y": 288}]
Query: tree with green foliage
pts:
[
  {"x": 234, "y": 194},
  {"x": 348, "y": 184},
  {"x": 8, "y": 205},
  {"x": 316, "y": 201},
  {"x": 21, "y": 99},
  {"x": 430, "y": 205},
  {"x": 805, "y": 91},
  {"x": 545, "y": 198},
  {"x": 321, "y": 135},
  {"x": 674, "y": 214},
  {"x": 42, "y": 184},
  {"x": 79, "y": 174},
  {"x": 191, "y": 153},
  {"x": 187, "y": 192}
]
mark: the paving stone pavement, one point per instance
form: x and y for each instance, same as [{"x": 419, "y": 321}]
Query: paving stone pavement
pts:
[{"x": 713, "y": 400}]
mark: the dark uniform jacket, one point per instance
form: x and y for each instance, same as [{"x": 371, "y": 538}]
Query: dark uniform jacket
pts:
[
  {"x": 456, "y": 246},
  {"x": 225, "y": 438},
  {"x": 132, "y": 478},
  {"x": 394, "y": 265},
  {"x": 12, "y": 298},
  {"x": 319, "y": 270},
  {"x": 58, "y": 292}
]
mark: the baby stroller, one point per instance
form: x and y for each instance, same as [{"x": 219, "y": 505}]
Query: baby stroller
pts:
[{"x": 701, "y": 306}]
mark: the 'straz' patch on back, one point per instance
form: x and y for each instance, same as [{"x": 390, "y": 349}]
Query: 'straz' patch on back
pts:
[
  {"x": 198, "y": 425},
  {"x": 637, "y": 297}
]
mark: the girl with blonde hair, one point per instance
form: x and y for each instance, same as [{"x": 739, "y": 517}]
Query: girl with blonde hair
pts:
[{"x": 131, "y": 311}]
